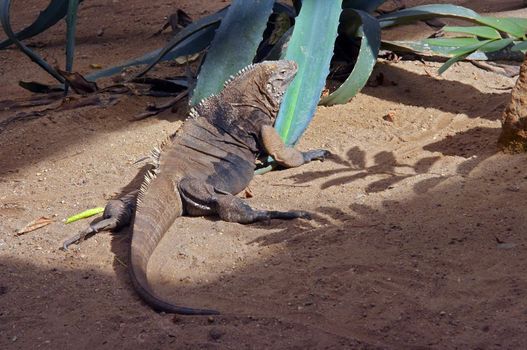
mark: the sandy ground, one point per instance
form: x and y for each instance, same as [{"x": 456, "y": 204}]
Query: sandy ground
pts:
[{"x": 418, "y": 241}]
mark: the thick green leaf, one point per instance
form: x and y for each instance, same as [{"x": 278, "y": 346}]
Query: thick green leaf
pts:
[
  {"x": 468, "y": 49},
  {"x": 479, "y": 31},
  {"x": 507, "y": 25},
  {"x": 522, "y": 22},
  {"x": 5, "y": 6},
  {"x": 212, "y": 21},
  {"x": 54, "y": 12},
  {"x": 311, "y": 47},
  {"x": 279, "y": 48},
  {"x": 451, "y": 61},
  {"x": 446, "y": 10},
  {"x": 279, "y": 7},
  {"x": 234, "y": 45},
  {"x": 364, "y": 5},
  {"x": 422, "y": 47},
  {"x": 460, "y": 54},
  {"x": 520, "y": 46},
  {"x": 371, "y": 41},
  {"x": 425, "y": 12},
  {"x": 195, "y": 42},
  {"x": 451, "y": 42},
  {"x": 71, "y": 20},
  {"x": 434, "y": 47},
  {"x": 496, "y": 45}
]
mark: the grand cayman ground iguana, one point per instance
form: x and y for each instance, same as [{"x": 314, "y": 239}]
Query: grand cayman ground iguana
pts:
[{"x": 204, "y": 164}]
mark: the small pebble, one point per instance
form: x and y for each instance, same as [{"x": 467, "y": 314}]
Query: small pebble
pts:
[
  {"x": 390, "y": 117},
  {"x": 216, "y": 334},
  {"x": 506, "y": 245}
]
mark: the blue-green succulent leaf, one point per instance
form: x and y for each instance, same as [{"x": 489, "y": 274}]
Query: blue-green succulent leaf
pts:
[
  {"x": 311, "y": 47},
  {"x": 369, "y": 49},
  {"x": 234, "y": 45}
]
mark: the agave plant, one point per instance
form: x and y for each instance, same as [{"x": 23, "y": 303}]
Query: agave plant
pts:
[
  {"x": 492, "y": 38},
  {"x": 54, "y": 12},
  {"x": 310, "y": 32}
]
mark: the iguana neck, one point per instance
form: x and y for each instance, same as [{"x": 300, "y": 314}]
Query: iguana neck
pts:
[{"x": 250, "y": 97}]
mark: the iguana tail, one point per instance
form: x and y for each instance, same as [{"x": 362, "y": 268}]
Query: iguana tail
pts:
[{"x": 158, "y": 205}]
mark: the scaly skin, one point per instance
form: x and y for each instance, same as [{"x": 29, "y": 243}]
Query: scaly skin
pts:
[{"x": 203, "y": 166}]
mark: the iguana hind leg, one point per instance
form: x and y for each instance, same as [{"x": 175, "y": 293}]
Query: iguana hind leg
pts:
[
  {"x": 203, "y": 199},
  {"x": 234, "y": 209},
  {"x": 117, "y": 214}
]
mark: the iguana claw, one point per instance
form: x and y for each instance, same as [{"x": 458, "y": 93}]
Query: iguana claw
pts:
[
  {"x": 77, "y": 238},
  {"x": 106, "y": 224}
]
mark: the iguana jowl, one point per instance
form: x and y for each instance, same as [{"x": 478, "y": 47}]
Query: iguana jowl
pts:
[{"x": 201, "y": 167}]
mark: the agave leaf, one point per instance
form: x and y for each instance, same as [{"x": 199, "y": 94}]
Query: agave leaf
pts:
[
  {"x": 54, "y": 12},
  {"x": 451, "y": 42},
  {"x": 228, "y": 54},
  {"x": 421, "y": 47},
  {"x": 426, "y": 48},
  {"x": 507, "y": 25},
  {"x": 434, "y": 47},
  {"x": 479, "y": 31},
  {"x": 496, "y": 45},
  {"x": 522, "y": 22},
  {"x": 468, "y": 49},
  {"x": 520, "y": 46},
  {"x": 191, "y": 39},
  {"x": 460, "y": 54},
  {"x": 279, "y": 48},
  {"x": 279, "y": 7},
  {"x": 484, "y": 46},
  {"x": 195, "y": 42},
  {"x": 371, "y": 41},
  {"x": 187, "y": 32},
  {"x": 71, "y": 20},
  {"x": 425, "y": 12},
  {"x": 446, "y": 10},
  {"x": 39, "y": 88},
  {"x": 364, "y": 5},
  {"x": 451, "y": 61},
  {"x": 311, "y": 46},
  {"x": 5, "y": 6}
]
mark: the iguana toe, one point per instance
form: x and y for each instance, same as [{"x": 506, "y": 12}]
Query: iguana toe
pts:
[{"x": 316, "y": 154}]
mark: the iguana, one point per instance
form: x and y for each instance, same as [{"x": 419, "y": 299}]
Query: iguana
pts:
[{"x": 203, "y": 165}]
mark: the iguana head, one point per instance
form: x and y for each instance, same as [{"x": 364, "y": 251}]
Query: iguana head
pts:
[
  {"x": 261, "y": 86},
  {"x": 278, "y": 75}
]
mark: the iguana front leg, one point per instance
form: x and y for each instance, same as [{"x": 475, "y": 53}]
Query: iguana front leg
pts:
[
  {"x": 285, "y": 155},
  {"x": 117, "y": 214}
]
